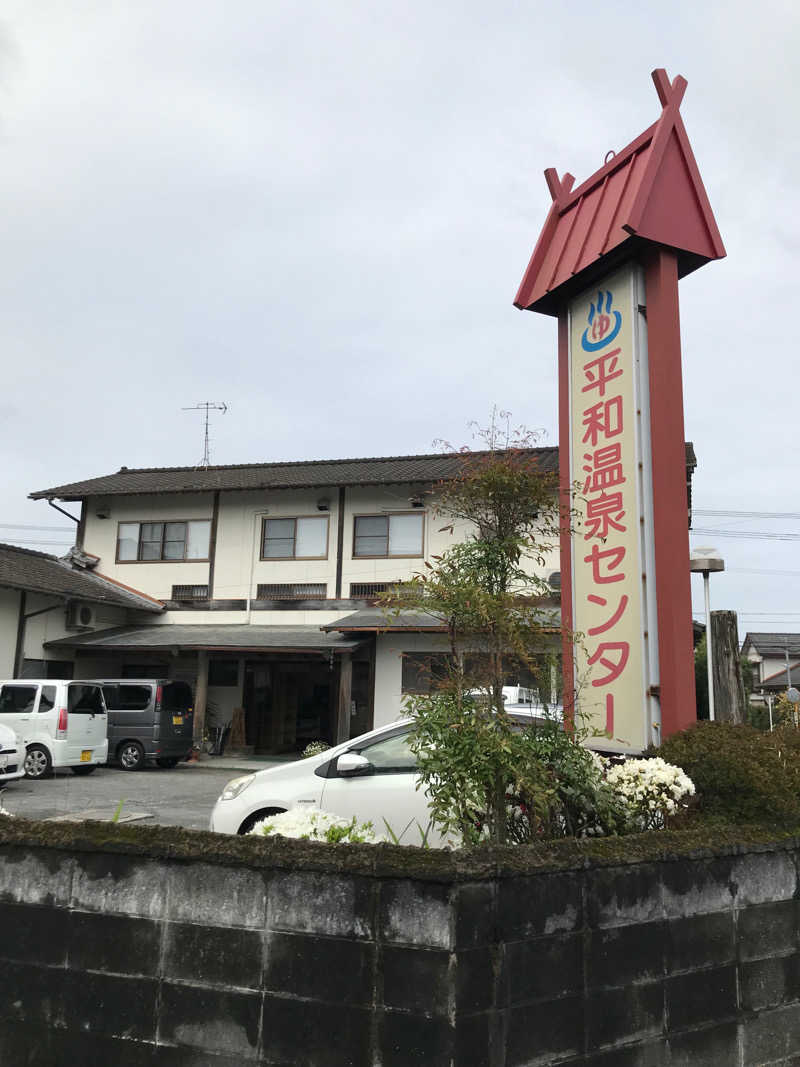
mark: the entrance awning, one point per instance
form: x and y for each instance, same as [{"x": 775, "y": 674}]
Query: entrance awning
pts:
[
  {"x": 376, "y": 620},
  {"x": 211, "y": 638}
]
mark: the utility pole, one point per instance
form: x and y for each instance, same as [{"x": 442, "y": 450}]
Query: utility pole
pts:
[{"x": 207, "y": 406}]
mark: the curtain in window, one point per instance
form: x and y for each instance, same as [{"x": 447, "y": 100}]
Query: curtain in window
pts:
[
  {"x": 405, "y": 535},
  {"x": 311, "y": 538},
  {"x": 198, "y": 535}
]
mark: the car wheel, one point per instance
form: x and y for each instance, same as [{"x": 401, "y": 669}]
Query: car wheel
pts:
[
  {"x": 131, "y": 756},
  {"x": 257, "y": 816},
  {"x": 167, "y": 761},
  {"x": 83, "y": 771},
  {"x": 37, "y": 762}
]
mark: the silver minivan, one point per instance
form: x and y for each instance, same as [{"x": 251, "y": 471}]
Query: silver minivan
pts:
[
  {"x": 62, "y": 723},
  {"x": 150, "y": 720}
]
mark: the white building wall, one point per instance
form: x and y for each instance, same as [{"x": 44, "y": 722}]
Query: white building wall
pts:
[
  {"x": 238, "y": 568},
  {"x": 9, "y": 618},
  {"x": 51, "y": 625},
  {"x": 156, "y": 579}
]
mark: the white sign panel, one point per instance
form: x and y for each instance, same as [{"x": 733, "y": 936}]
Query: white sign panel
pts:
[{"x": 613, "y": 577}]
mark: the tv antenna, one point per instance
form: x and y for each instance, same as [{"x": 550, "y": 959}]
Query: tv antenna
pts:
[{"x": 207, "y": 406}]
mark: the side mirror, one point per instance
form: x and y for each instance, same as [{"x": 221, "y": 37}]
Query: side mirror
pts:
[{"x": 352, "y": 764}]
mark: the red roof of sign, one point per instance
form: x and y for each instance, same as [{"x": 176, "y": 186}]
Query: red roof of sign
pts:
[{"x": 651, "y": 191}]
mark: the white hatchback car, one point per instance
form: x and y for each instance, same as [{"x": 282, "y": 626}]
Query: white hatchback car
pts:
[
  {"x": 373, "y": 777},
  {"x": 12, "y": 756}
]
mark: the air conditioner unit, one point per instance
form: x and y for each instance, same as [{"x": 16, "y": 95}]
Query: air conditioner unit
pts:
[{"x": 81, "y": 616}]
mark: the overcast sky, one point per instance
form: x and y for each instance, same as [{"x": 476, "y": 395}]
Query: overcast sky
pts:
[{"x": 319, "y": 214}]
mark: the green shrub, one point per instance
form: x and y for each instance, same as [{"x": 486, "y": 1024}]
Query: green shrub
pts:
[{"x": 741, "y": 774}]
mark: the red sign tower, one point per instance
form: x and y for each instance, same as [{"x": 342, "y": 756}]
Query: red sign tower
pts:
[{"x": 607, "y": 265}]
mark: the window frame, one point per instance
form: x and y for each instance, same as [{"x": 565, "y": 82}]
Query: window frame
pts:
[
  {"x": 164, "y": 524},
  {"x": 292, "y": 518},
  {"x": 388, "y": 515}
]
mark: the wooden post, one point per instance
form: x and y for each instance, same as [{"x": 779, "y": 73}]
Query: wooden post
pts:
[
  {"x": 729, "y": 697},
  {"x": 200, "y": 697},
  {"x": 345, "y": 696}
]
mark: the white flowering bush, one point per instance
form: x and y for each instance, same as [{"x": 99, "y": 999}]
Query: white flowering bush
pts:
[
  {"x": 649, "y": 789},
  {"x": 311, "y": 824}
]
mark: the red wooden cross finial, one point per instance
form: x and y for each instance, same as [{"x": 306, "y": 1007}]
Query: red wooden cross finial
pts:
[
  {"x": 559, "y": 187},
  {"x": 669, "y": 93}
]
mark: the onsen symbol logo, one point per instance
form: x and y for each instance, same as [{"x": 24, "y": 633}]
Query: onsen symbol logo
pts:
[{"x": 600, "y": 329}]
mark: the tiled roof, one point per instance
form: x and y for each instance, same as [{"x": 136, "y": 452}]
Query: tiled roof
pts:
[
  {"x": 312, "y": 474},
  {"x": 776, "y": 644},
  {"x": 650, "y": 191},
  {"x": 388, "y": 470},
  {"x": 37, "y": 572},
  {"x": 209, "y": 636}
]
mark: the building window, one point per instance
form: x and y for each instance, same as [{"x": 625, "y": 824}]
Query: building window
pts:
[
  {"x": 383, "y": 536},
  {"x": 300, "y": 538},
  {"x": 372, "y": 590},
  {"x": 424, "y": 671},
  {"x": 139, "y": 542},
  {"x": 184, "y": 593},
  {"x": 368, "y": 590},
  {"x": 292, "y": 591}
]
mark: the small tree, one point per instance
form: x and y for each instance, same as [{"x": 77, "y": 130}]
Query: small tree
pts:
[{"x": 497, "y": 622}]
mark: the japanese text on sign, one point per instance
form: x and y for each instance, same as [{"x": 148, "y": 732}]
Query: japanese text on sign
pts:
[{"x": 607, "y": 590}]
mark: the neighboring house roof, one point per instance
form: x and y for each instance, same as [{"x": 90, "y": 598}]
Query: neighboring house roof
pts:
[
  {"x": 769, "y": 644},
  {"x": 778, "y": 679},
  {"x": 212, "y": 637},
  {"x": 650, "y": 191},
  {"x": 388, "y": 470},
  {"x": 37, "y": 572}
]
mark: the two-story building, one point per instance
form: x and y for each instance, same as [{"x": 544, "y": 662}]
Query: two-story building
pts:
[{"x": 266, "y": 576}]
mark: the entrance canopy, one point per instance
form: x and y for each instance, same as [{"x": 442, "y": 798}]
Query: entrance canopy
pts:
[{"x": 209, "y": 638}]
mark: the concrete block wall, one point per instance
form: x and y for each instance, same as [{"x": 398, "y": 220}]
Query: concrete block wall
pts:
[{"x": 137, "y": 956}]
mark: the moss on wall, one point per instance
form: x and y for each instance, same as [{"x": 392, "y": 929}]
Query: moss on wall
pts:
[{"x": 389, "y": 861}]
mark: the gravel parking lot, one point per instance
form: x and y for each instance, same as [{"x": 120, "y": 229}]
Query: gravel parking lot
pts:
[{"x": 180, "y": 797}]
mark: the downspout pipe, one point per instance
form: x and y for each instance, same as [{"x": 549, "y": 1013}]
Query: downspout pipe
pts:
[{"x": 74, "y": 518}]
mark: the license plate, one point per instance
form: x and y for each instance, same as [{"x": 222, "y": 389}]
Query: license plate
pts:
[
  {"x": 177, "y": 720},
  {"x": 3, "y": 762},
  {"x": 86, "y": 755}
]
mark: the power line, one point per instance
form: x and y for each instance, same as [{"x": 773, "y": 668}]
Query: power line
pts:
[
  {"x": 745, "y": 535},
  {"x": 19, "y": 541},
  {"x": 49, "y": 529},
  {"x": 756, "y": 570},
  {"x": 747, "y": 514}
]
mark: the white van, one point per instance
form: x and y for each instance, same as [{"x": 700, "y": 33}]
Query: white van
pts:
[{"x": 61, "y": 723}]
